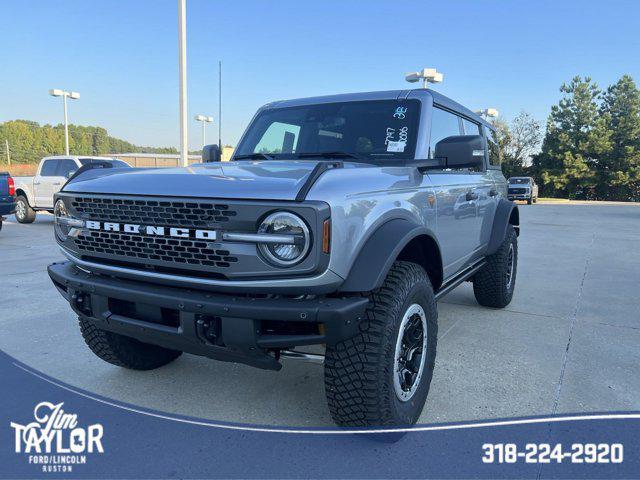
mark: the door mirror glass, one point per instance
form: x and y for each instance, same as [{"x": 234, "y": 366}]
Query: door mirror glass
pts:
[
  {"x": 211, "y": 153},
  {"x": 460, "y": 151}
]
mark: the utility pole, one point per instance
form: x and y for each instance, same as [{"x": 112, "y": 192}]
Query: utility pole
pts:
[
  {"x": 220, "y": 105},
  {"x": 182, "y": 64},
  {"x": 6, "y": 142}
]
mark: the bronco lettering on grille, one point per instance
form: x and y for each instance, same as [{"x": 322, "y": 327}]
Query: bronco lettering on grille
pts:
[{"x": 151, "y": 230}]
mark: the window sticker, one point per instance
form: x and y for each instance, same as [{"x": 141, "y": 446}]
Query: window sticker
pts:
[
  {"x": 389, "y": 136},
  {"x": 396, "y": 146},
  {"x": 400, "y": 113}
]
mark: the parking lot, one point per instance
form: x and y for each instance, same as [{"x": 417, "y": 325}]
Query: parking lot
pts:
[{"x": 569, "y": 341}]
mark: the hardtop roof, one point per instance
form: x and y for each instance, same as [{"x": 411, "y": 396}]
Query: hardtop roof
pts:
[{"x": 438, "y": 99}]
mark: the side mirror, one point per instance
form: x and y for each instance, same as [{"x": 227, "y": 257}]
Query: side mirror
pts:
[
  {"x": 211, "y": 153},
  {"x": 70, "y": 173},
  {"x": 461, "y": 151}
]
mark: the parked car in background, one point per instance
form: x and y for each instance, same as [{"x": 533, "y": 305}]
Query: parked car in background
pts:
[
  {"x": 523, "y": 188},
  {"x": 7, "y": 193},
  {"x": 36, "y": 193}
]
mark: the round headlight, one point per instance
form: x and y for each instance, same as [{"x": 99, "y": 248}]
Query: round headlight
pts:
[
  {"x": 297, "y": 235},
  {"x": 60, "y": 213},
  {"x": 64, "y": 222}
]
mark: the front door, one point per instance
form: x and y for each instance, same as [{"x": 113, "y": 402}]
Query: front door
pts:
[
  {"x": 458, "y": 199},
  {"x": 46, "y": 183}
]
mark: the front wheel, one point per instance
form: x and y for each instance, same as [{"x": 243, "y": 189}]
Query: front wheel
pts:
[
  {"x": 493, "y": 286},
  {"x": 24, "y": 213},
  {"x": 381, "y": 377}
]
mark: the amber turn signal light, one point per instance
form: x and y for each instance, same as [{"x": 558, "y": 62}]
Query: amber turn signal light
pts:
[{"x": 326, "y": 236}]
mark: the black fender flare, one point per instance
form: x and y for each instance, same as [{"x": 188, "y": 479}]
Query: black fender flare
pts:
[
  {"x": 379, "y": 252},
  {"x": 506, "y": 213}
]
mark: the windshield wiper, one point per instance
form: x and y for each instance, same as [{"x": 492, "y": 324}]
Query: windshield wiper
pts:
[
  {"x": 335, "y": 154},
  {"x": 253, "y": 156}
]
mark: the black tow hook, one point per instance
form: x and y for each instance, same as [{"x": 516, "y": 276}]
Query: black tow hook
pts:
[
  {"x": 82, "y": 302},
  {"x": 209, "y": 329}
]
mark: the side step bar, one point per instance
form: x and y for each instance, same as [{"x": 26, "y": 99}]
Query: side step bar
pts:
[
  {"x": 464, "y": 275},
  {"x": 297, "y": 355}
]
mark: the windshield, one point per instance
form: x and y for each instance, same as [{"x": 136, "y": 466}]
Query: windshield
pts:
[
  {"x": 368, "y": 130},
  {"x": 516, "y": 180}
]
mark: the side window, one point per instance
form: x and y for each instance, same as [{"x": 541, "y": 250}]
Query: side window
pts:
[
  {"x": 443, "y": 124},
  {"x": 470, "y": 128},
  {"x": 65, "y": 167},
  {"x": 49, "y": 168},
  {"x": 279, "y": 138},
  {"x": 494, "y": 149}
]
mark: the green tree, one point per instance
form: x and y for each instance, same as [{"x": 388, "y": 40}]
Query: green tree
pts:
[
  {"x": 576, "y": 139},
  {"x": 503, "y": 139},
  {"x": 619, "y": 169},
  {"x": 518, "y": 141},
  {"x": 29, "y": 141}
]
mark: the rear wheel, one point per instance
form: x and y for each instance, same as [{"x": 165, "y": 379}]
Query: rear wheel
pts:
[
  {"x": 24, "y": 213},
  {"x": 493, "y": 286},
  {"x": 125, "y": 351},
  {"x": 381, "y": 377}
]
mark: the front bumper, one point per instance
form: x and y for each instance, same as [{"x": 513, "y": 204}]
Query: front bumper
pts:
[
  {"x": 219, "y": 326},
  {"x": 519, "y": 196}
]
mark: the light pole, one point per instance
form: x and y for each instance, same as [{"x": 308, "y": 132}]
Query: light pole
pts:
[
  {"x": 204, "y": 119},
  {"x": 55, "y": 92},
  {"x": 427, "y": 75},
  {"x": 182, "y": 67}
]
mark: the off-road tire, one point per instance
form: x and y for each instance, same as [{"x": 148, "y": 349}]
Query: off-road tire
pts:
[
  {"x": 125, "y": 351},
  {"x": 359, "y": 381},
  {"x": 490, "y": 284},
  {"x": 29, "y": 214}
]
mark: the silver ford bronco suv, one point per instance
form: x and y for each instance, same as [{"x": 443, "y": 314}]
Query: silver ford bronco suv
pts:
[{"x": 339, "y": 222}]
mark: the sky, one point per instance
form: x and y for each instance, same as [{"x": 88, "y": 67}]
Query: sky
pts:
[{"x": 122, "y": 56}]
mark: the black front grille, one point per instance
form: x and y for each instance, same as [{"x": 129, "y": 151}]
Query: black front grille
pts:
[
  {"x": 154, "y": 212},
  {"x": 517, "y": 191},
  {"x": 177, "y": 251}
]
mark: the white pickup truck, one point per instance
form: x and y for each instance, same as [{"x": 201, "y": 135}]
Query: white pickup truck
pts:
[{"x": 36, "y": 193}]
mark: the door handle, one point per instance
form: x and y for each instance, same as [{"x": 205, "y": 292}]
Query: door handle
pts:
[
  {"x": 493, "y": 193},
  {"x": 36, "y": 183},
  {"x": 57, "y": 183},
  {"x": 471, "y": 196}
]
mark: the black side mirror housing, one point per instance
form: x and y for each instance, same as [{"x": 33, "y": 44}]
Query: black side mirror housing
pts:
[
  {"x": 211, "y": 153},
  {"x": 461, "y": 151}
]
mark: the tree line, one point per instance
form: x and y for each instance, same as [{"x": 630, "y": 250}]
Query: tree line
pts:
[
  {"x": 590, "y": 149},
  {"x": 30, "y": 141}
]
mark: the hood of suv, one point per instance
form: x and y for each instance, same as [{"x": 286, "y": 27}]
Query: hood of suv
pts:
[{"x": 264, "y": 180}]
